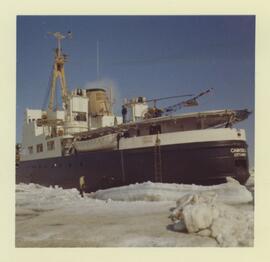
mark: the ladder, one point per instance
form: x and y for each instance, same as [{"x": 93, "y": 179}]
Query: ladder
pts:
[{"x": 157, "y": 161}]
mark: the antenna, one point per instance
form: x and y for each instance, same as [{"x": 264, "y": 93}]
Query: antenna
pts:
[
  {"x": 97, "y": 60},
  {"x": 60, "y": 37}
]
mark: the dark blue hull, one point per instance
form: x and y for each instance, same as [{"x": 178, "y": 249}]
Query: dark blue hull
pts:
[{"x": 204, "y": 163}]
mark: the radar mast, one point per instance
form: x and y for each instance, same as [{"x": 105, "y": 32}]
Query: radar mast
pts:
[{"x": 58, "y": 71}]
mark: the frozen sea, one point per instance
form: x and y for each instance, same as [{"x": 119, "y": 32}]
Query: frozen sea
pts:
[{"x": 130, "y": 216}]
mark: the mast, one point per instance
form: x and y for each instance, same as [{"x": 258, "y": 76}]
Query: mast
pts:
[{"x": 59, "y": 71}]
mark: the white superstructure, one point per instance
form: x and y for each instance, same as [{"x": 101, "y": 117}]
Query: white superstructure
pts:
[{"x": 48, "y": 133}]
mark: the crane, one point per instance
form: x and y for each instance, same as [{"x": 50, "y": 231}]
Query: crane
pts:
[
  {"x": 189, "y": 102},
  {"x": 157, "y": 112},
  {"x": 129, "y": 103}
]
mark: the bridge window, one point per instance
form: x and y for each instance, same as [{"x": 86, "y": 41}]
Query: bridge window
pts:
[
  {"x": 39, "y": 148},
  {"x": 50, "y": 145},
  {"x": 30, "y": 150},
  {"x": 80, "y": 116}
]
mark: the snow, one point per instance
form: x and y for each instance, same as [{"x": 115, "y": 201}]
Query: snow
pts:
[
  {"x": 202, "y": 214},
  {"x": 134, "y": 216},
  {"x": 230, "y": 193}
]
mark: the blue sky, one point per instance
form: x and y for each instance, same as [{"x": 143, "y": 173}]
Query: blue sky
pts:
[{"x": 151, "y": 56}]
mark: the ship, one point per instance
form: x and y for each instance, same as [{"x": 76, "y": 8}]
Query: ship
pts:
[{"x": 85, "y": 139}]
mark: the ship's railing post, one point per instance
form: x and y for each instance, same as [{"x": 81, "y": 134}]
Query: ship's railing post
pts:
[{"x": 157, "y": 160}]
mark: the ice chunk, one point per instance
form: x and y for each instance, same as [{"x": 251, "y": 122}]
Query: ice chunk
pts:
[
  {"x": 197, "y": 217},
  {"x": 203, "y": 214}
]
